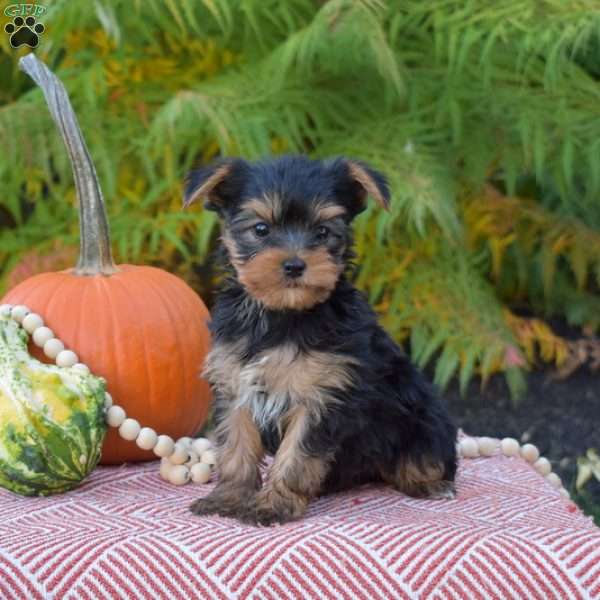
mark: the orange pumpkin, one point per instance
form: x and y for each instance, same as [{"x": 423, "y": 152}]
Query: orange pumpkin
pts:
[{"x": 142, "y": 329}]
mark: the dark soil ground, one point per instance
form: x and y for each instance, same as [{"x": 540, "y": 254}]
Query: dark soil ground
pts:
[{"x": 562, "y": 418}]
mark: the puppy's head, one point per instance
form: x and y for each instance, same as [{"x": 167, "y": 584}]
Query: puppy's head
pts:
[{"x": 286, "y": 221}]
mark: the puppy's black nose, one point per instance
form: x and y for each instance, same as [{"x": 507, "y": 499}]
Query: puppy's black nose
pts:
[{"x": 294, "y": 267}]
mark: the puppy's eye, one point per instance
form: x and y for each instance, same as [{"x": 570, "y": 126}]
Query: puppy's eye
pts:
[
  {"x": 322, "y": 232},
  {"x": 261, "y": 229}
]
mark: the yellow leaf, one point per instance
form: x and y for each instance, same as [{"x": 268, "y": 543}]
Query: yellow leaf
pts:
[{"x": 560, "y": 243}]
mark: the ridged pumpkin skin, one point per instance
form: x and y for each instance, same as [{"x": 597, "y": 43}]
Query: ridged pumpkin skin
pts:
[{"x": 143, "y": 330}]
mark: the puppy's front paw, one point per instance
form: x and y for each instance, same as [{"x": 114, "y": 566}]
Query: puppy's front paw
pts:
[
  {"x": 271, "y": 508},
  {"x": 209, "y": 505},
  {"x": 268, "y": 515},
  {"x": 227, "y": 502}
]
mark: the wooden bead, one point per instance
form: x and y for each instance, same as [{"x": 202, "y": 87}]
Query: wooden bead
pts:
[
  {"x": 180, "y": 454},
  {"x": 5, "y": 310},
  {"x": 165, "y": 467},
  {"x": 469, "y": 448},
  {"x": 41, "y": 335},
  {"x": 164, "y": 446},
  {"x": 66, "y": 358},
  {"x": 115, "y": 416},
  {"x": 530, "y": 453},
  {"x": 487, "y": 446},
  {"x": 18, "y": 313},
  {"x": 179, "y": 474},
  {"x": 510, "y": 447},
  {"x": 193, "y": 458},
  {"x": 129, "y": 429},
  {"x": 53, "y": 347},
  {"x": 542, "y": 466},
  {"x": 554, "y": 480},
  {"x": 31, "y": 322},
  {"x": 200, "y": 472},
  {"x": 81, "y": 368},
  {"x": 146, "y": 439},
  {"x": 200, "y": 445},
  {"x": 209, "y": 457}
]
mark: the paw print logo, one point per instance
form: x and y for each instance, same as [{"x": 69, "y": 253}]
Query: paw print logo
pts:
[{"x": 24, "y": 32}]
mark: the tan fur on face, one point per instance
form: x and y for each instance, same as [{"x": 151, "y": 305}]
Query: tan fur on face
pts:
[
  {"x": 263, "y": 209},
  {"x": 206, "y": 189},
  {"x": 230, "y": 246},
  {"x": 263, "y": 277},
  {"x": 329, "y": 211},
  {"x": 359, "y": 174}
]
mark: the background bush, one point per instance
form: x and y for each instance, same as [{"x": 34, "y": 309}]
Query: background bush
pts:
[{"x": 484, "y": 115}]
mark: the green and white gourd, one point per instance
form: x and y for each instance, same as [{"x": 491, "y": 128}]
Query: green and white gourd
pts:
[
  {"x": 52, "y": 420},
  {"x": 60, "y": 440},
  {"x": 183, "y": 460}
]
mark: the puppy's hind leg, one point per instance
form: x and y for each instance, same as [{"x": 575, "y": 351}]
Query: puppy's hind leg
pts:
[{"x": 419, "y": 478}]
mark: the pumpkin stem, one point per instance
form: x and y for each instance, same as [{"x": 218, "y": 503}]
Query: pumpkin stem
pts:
[{"x": 95, "y": 256}]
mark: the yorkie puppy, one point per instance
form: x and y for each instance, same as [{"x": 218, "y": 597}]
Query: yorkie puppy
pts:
[{"x": 299, "y": 367}]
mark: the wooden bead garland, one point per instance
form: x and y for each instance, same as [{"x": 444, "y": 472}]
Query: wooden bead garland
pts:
[
  {"x": 129, "y": 429},
  {"x": 53, "y": 347},
  {"x": 200, "y": 472},
  {"x": 509, "y": 447},
  {"x": 115, "y": 416},
  {"x": 41, "y": 335},
  {"x": 542, "y": 466},
  {"x": 190, "y": 459},
  {"x": 471, "y": 447},
  {"x": 487, "y": 446},
  {"x": 180, "y": 454},
  {"x": 164, "y": 446},
  {"x": 200, "y": 445},
  {"x": 66, "y": 358},
  {"x": 468, "y": 448},
  {"x": 146, "y": 439},
  {"x": 530, "y": 453},
  {"x": 182, "y": 461}
]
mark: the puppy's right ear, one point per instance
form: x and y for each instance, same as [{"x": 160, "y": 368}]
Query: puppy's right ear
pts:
[{"x": 218, "y": 183}]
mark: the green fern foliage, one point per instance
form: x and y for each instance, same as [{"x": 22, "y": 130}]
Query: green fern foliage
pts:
[{"x": 450, "y": 99}]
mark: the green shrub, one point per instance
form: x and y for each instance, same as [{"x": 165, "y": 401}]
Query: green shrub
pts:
[{"x": 483, "y": 115}]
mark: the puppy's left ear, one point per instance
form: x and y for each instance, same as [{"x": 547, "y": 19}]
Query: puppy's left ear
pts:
[{"x": 356, "y": 181}]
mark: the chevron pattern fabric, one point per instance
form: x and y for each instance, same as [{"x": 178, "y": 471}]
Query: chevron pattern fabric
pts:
[{"x": 127, "y": 534}]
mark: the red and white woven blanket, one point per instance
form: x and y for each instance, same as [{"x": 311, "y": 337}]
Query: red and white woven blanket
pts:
[{"x": 127, "y": 534}]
